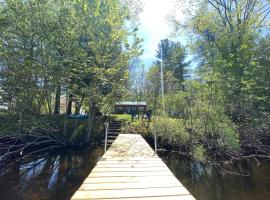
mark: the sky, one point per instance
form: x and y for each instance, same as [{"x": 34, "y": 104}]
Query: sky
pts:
[{"x": 154, "y": 26}]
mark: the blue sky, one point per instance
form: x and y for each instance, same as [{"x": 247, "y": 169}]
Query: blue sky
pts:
[{"x": 154, "y": 26}]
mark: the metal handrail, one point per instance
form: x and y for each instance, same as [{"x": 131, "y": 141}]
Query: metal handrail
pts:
[
  {"x": 106, "y": 136},
  {"x": 107, "y": 123},
  {"x": 155, "y": 135}
]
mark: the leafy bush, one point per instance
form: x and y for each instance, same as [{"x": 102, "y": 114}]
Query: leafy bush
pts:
[
  {"x": 171, "y": 130},
  {"x": 199, "y": 152},
  {"x": 137, "y": 127},
  {"x": 202, "y": 111},
  {"x": 211, "y": 124}
]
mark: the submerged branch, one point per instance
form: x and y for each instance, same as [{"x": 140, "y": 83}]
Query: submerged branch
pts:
[{"x": 23, "y": 145}]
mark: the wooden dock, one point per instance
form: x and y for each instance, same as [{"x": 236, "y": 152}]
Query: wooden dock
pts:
[{"x": 131, "y": 170}]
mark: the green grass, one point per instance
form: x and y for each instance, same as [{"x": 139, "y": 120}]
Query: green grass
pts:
[{"x": 122, "y": 117}]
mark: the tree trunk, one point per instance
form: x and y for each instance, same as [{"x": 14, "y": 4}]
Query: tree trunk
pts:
[
  {"x": 79, "y": 105},
  {"x": 90, "y": 120},
  {"x": 181, "y": 74},
  {"x": 57, "y": 100},
  {"x": 65, "y": 120},
  {"x": 77, "y": 108},
  {"x": 69, "y": 107},
  {"x": 49, "y": 103}
]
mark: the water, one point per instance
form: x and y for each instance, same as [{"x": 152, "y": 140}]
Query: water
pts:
[
  {"x": 205, "y": 182},
  {"x": 58, "y": 175},
  {"x": 53, "y": 176}
]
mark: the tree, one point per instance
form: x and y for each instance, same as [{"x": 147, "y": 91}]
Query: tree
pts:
[
  {"x": 136, "y": 76},
  {"x": 152, "y": 87},
  {"x": 227, "y": 39},
  {"x": 174, "y": 63},
  {"x": 81, "y": 48}
]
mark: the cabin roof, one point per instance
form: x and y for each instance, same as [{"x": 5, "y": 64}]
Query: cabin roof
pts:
[{"x": 131, "y": 103}]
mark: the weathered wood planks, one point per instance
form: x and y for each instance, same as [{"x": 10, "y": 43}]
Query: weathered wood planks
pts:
[{"x": 131, "y": 170}]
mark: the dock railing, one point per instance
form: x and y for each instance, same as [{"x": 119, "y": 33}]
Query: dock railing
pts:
[
  {"x": 107, "y": 123},
  {"x": 155, "y": 135}
]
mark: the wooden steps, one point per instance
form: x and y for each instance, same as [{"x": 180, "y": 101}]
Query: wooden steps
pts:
[
  {"x": 130, "y": 169},
  {"x": 114, "y": 130}
]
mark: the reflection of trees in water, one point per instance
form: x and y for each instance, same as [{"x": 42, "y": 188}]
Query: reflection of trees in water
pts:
[
  {"x": 51, "y": 177},
  {"x": 7, "y": 179},
  {"x": 194, "y": 175},
  {"x": 59, "y": 176},
  {"x": 35, "y": 176},
  {"x": 207, "y": 182}
]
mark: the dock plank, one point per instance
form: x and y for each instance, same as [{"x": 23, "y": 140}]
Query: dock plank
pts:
[{"x": 130, "y": 169}]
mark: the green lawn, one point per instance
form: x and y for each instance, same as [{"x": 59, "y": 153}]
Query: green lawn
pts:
[{"x": 123, "y": 117}]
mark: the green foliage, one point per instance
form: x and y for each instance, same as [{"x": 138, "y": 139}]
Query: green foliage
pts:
[
  {"x": 199, "y": 153},
  {"x": 224, "y": 104},
  {"x": 201, "y": 108},
  {"x": 173, "y": 56},
  {"x": 58, "y": 51},
  {"x": 231, "y": 41},
  {"x": 137, "y": 127},
  {"x": 170, "y": 130},
  {"x": 14, "y": 124},
  {"x": 152, "y": 87},
  {"x": 174, "y": 63},
  {"x": 77, "y": 130},
  {"x": 235, "y": 51},
  {"x": 83, "y": 47},
  {"x": 196, "y": 115}
]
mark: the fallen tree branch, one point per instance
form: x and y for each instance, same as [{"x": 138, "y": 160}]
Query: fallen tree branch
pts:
[{"x": 23, "y": 145}]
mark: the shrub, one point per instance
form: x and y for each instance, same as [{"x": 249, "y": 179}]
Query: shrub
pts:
[
  {"x": 137, "y": 127},
  {"x": 199, "y": 152},
  {"x": 172, "y": 130}
]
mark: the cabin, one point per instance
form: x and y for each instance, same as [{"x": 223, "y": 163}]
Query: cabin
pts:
[{"x": 130, "y": 107}]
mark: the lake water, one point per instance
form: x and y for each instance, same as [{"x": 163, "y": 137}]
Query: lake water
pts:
[
  {"x": 58, "y": 175},
  {"x": 205, "y": 181},
  {"x": 52, "y": 176}
]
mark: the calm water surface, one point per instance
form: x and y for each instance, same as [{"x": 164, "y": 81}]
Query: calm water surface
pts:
[
  {"x": 52, "y": 176},
  {"x": 205, "y": 182},
  {"x": 58, "y": 175}
]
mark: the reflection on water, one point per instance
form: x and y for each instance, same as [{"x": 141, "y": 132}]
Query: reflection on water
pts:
[
  {"x": 58, "y": 176},
  {"x": 206, "y": 183},
  {"x": 51, "y": 176}
]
